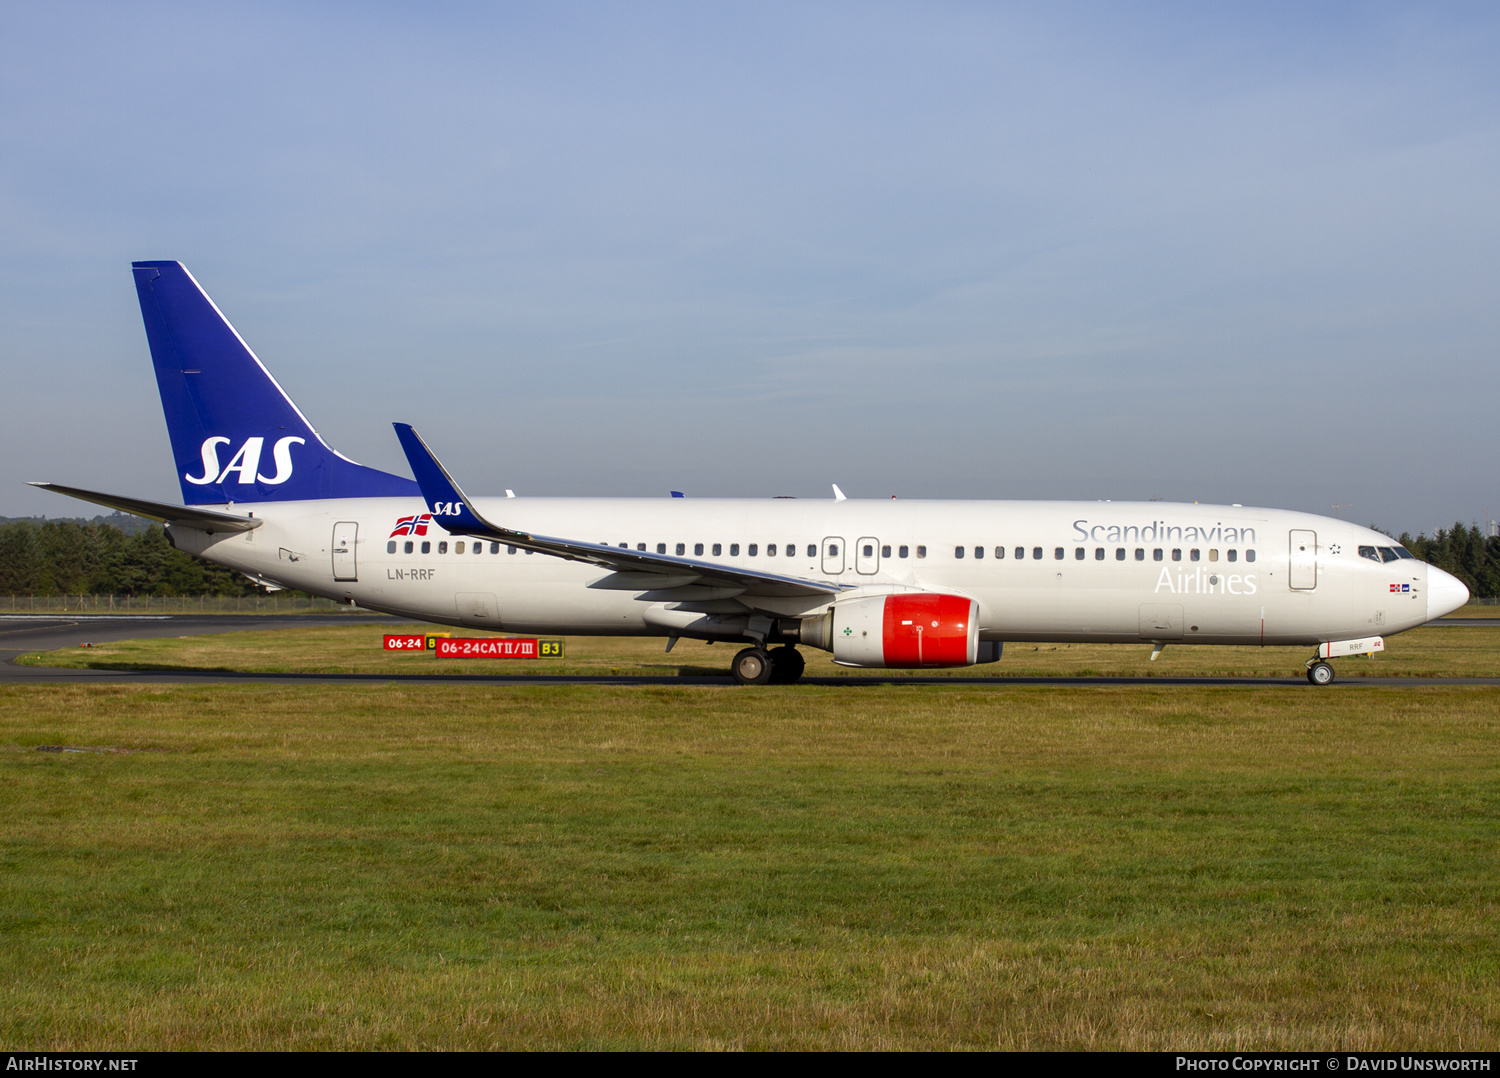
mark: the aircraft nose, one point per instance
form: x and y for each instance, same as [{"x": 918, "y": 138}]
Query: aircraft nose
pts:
[{"x": 1445, "y": 593}]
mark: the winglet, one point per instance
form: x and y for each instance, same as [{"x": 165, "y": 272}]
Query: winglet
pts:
[
  {"x": 839, "y": 495},
  {"x": 449, "y": 505}
]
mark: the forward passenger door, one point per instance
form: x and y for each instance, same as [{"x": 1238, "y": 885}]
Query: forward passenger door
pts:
[{"x": 1303, "y": 570}]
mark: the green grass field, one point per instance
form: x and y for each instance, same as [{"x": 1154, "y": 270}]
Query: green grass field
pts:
[
  {"x": 1438, "y": 652},
  {"x": 388, "y": 866}
]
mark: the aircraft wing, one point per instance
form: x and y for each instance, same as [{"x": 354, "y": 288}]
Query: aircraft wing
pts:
[
  {"x": 208, "y": 520},
  {"x": 639, "y": 569}
]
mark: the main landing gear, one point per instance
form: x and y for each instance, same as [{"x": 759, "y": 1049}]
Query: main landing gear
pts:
[
  {"x": 1319, "y": 672},
  {"x": 756, "y": 666}
]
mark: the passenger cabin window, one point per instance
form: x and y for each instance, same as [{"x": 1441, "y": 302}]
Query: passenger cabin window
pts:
[
  {"x": 869, "y": 550},
  {"x": 921, "y": 552},
  {"x": 734, "y": 549},
  {"x": 1213, "y": 554},
  {"x": 426, "y": 546},
  {"x": 1000, "y": 553},
  {"x": 495, "y": 548},
  {"x": 770, "y": 550},
  {"x": 812, "y": 550},
  {"x": 751, "y": 549},
  {"x": 698, "y": 550},
  {"x": 1119, "y": 553},
  {"x": 458, "y": 547},
  {"x": 791, "y": 550},
  {"x": 681, "y": 549},
  {"x": 1177, "y": 553},
  {"x": 1079, "y": 553},
  {"x": 979, "y": 552},
  {"x": 885, "y": 552},
  {"x": 958, "y": 552},
  {"x": 1232, "y": 555},
  {"x": 661, "y": 548},
  {"x": 390, "y": 548},
  {"x": 1250, "y": 555},
  {"x": 443, "y": 547},
  {"x": 1156, "y": 554},
  {"x": 510, "y": 550},
  {"x": 1193, "y": 554},
  {"x": 901, "y": 552},
  {"x": 1140, "y": 553},
  {"x": 1020, "y": 553},
  {"x": 1036, "y": 552},
  {"x": 718, "y": 549},
  {"x": 408, "y": 546},
  {"x": 1098, "y": 553},
  {"x": 1057, "y": 553},
  {"x": 639, "y": 546}
]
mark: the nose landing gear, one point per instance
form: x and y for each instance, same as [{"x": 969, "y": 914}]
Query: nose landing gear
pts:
[{"x": 1319, "y": 672}]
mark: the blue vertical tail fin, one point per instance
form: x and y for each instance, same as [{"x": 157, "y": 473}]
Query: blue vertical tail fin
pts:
[{"x": 236, "y": 436}]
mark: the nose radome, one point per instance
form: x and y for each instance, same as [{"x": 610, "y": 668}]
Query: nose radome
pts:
[{"x": 1445, "y": 593}]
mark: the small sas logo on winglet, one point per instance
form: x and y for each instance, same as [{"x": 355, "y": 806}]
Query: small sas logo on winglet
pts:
[{"x": 413, "y": 525}]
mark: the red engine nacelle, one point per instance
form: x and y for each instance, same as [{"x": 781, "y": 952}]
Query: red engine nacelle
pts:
[{"x": 911, "y": 629}]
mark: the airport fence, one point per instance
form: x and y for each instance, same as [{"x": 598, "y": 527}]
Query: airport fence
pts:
[{"x": 173, "y": 604}]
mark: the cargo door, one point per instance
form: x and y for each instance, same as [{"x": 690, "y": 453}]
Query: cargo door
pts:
[
  {"x": 345, "y": 533},
  {"x": 1161, "y": 621},
  {"x": 1303, "y": 570},
  {"x": 833, "y": 555},
  {"x": 867, "y": 555},
  {"x": 478, "y": 608}
]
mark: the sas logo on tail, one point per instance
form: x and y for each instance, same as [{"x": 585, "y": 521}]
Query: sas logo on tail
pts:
[
  {"x": 416, "y": 525},
  {"x": 246, "y": 462}
]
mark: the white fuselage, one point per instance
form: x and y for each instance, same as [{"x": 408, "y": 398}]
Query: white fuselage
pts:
[{"x": 1086, "y": 571}]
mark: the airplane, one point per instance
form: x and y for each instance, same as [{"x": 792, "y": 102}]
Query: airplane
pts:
[{"x": 878, "y": 583}]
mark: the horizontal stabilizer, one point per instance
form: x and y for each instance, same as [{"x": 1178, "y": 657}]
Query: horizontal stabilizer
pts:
[
  {"x": 452, "y": 509},
  {"x": 184, "y": 516}
]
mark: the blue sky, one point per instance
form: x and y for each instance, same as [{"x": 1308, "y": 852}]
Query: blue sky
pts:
[{"x": 1099, "y": 251}]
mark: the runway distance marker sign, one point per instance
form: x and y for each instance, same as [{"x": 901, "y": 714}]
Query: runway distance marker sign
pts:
[{"x": 512, "y": 647}]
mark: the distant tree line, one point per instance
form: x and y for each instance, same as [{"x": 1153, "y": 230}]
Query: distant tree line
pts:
[
  {"x": 71, "y": 557},
  {"x": 1466, "y": 552},
  {"x": 64, "y": 557}
]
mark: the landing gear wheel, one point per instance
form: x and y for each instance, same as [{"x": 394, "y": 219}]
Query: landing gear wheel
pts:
[
  {"x": 751, "y": 667},
  {"x": 787, "y": 665},
  {"x": 1320, "y": 674}
]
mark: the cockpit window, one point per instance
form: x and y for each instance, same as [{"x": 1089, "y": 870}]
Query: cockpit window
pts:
[
  {"x": 1402, "y": 552},
  {"x": 1369, "y": 552},
  {"x": 1387, "y": 554}
]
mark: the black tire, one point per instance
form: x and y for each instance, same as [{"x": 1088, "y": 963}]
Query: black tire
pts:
[
  {"x": 1320, "y": 674},
  {"x": 752, "y": 667},
  {"x": 787, "y": 665}
]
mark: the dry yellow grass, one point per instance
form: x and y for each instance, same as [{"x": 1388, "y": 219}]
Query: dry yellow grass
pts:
[{"x": 1436, "y": 652}]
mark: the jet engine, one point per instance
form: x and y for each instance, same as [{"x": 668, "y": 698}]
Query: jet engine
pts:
[{"x": 911, "y": 629}]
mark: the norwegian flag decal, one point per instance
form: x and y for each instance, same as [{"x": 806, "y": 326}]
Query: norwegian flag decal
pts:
[{"x": 413, "y": 525}]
